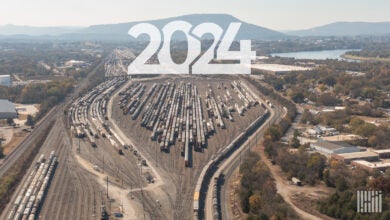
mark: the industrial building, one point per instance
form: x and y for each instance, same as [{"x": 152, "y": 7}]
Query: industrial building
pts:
[
  {"x": 328, "y": 148},
  {"x": 7, "y": 109},
  {"x": 365, "y": 155},
  {"x": 371, "y": 166},
  {"x": 5, "y": 80},
  {"x": 383, "y": 153}
]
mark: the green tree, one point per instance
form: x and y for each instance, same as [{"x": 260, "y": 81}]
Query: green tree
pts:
[
  {"x": 10, "y": 121},
  {"x": 1, "y": 149},
  {"x": 255, "y": 202},
  {"x": 30, "y": 120},
  {"x": 366, "y": 130},
  {"x": 273, "y": 132},
  {"x": 327, "y": 99},
  {"x": 294, "y": 141}
]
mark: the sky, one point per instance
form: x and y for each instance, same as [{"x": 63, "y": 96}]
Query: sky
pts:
[{"x": 274, "y": 14}]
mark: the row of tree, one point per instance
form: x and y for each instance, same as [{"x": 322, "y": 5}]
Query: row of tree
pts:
[{"x": 258, "y": 194}]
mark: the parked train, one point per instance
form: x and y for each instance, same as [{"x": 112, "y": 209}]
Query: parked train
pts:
[{"x": 212, "y": 165}]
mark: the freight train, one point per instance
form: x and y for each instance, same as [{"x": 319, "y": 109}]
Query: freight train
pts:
[{"x": 212, "y": 165}]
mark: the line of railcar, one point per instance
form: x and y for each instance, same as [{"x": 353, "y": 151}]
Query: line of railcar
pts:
[
  {"x": 94, "y": 103},
  {"x": 28, "y": 202},
  {"x": 212, "y": 165}
]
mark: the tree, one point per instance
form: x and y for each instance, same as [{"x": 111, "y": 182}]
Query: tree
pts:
[
  {"x": 30, "y": 120},
  {"x": 294, "y": 141},
  {"x": 255, "y": 202},
  {"x": 10, "y": 121},
  {"x": 329, "y": 80},
  {"x": 1, "y": 149},
  {"x": 316, "y": 163},
  {"x": 366, "y": 130},
  {"x": 327, "y": 99},
  {"x": 273, "y": 133}
]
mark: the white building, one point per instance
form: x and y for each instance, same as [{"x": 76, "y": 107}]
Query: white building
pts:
[
  {"x": 329, "y": 148},
  {"x": 7, "y": 109},
  {"x": 5, "y": 80}
]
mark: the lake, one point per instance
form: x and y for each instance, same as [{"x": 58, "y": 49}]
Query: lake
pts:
[{"x": 315, "y": 55}]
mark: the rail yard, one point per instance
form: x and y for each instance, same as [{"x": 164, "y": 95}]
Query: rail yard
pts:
[
  {"x": 146, "y": 148},
  {"x": 182, "y": 124}
]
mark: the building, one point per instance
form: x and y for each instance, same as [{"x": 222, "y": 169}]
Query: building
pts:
[
  {"x": 7, "y": 109},
  {"x": 371, "y": 166},
  {"x": 328, "y": 148},
  {"x": 383, "y": 153},
  {"x": 348, "y": 157},
  {"x": 278, "y": 69},
  {"x": 5, "y": 80}
]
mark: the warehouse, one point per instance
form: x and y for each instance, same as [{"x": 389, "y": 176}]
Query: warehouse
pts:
[
  {"x": 328, "y": 148},
  {"x": 5, "y": 80},
  {"x": 365, "y": 155},
  {"x": 383, "y": 153},
  {"x": 371, "y": 166},
  {"x": 7, "y": 109}
]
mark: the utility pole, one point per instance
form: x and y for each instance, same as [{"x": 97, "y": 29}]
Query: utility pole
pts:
[
  {"x": 131, "y": 190},
  {"x": 107, "y": 187},
  {"x": 79, "y": 147}
]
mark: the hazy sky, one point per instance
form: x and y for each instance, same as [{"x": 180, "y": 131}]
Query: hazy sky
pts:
[{"x": 275, "y": 14}]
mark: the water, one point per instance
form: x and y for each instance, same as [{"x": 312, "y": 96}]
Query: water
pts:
[{"x": 315, "y": 55}]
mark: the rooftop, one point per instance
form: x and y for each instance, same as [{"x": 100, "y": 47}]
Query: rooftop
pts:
[
  {"x": 359, "y": 155},
  {"x": 381, "y": 164},
  {"x": 7, "y": 106},
  {"x": 279, "y": 67},
  {"x": 382, "y": 151},
  {"x": 332, "y": 145}
]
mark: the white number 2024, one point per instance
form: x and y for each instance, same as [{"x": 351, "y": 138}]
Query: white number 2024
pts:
[{"x": 196, "y": 63}]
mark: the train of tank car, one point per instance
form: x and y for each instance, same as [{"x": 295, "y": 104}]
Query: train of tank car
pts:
[
  {"x": 94, "y": 104},
  {"x": 211, "y": 167},
  {"x": 28, "y": 202},
  {"x": 174, "y": 114}
]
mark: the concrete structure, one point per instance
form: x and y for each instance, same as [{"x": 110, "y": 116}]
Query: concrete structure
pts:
[
  {"x": 329, "y": 148},
  {"x": 365, "y": 155},
  {"x": 5, "y": 80},
  {"x": 279, "y": 69},
  {"x": 7, "y": 109},
  {"x": 370, "y": 166}
]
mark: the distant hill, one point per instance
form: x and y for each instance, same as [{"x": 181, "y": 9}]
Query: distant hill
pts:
[
  {"x": 119, "y": 31},
  {"x": 35, "y": 31},
  {"x": 346, "y": 29}
]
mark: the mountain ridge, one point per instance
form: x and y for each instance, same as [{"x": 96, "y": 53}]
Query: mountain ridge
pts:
[
  {"x": 119, "y": 30},
  {"x": 345, "y": 28}
]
